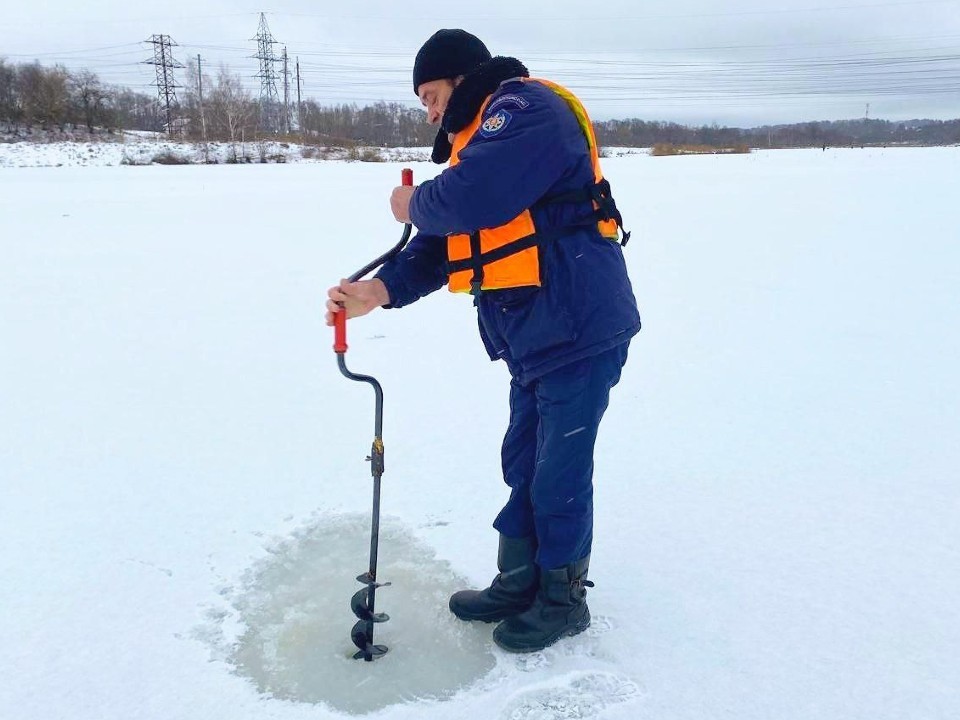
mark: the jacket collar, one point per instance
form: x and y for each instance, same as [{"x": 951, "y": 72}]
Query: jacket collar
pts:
[{"x": 468, "y": 97}]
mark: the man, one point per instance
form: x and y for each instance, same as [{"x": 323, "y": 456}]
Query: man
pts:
[{"x": 523, "y": 220}]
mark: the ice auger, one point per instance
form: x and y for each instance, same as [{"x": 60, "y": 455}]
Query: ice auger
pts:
[{"x": 363, "y": 601}]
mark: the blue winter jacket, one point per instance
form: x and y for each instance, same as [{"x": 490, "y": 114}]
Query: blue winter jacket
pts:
[{"x": 585, "y": 304}]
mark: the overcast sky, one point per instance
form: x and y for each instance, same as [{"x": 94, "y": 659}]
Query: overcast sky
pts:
[{"x": 742, "y": 63}]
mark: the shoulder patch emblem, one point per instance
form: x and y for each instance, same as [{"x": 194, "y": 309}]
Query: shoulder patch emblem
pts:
[{"x": 495, "y": 124}]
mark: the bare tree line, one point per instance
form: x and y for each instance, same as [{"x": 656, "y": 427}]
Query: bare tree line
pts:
[
  {"x": 836, "y": 133},
  {"x": 54, "y": 98},
  {"x": 216, "y": 108},
  {"x": 230, "y": 112},
  {"x": 219, "y": 108}
]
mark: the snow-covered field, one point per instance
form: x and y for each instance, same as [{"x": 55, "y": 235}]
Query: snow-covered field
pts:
[{"x": 184, "y": 498}]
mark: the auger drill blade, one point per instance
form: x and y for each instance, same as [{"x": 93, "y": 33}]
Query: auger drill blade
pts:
[
  {"x": 358, "y": 603},
  {"x": 368, "y": 651}
]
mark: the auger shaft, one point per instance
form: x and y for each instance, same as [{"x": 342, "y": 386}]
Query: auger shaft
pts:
[{"x": 363, "y": 602}]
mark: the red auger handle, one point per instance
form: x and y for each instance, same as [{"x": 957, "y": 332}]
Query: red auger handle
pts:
[
  {"x": 340, "y": 318},
  {"x": 340, "y": 331}
]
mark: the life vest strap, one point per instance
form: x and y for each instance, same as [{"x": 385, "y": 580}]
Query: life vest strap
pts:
[
  {"x": 600, "y": 194},
  {"x": 477, "y": 260}
]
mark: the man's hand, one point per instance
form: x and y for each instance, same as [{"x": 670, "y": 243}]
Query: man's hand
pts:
[
  {"x": 358, "y": 298},
  {"x": 400, "y": 202}
]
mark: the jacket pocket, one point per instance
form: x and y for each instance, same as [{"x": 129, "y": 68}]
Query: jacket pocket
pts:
[{"x": 533, "y": 320}]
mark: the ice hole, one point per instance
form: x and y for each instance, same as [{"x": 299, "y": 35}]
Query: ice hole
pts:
[{"x": 295, "y": 608}]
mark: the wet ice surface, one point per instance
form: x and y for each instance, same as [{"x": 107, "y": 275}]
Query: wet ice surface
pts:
[
  {"x": 295, "y": 608},
  {"x": 286, "y": 631}
]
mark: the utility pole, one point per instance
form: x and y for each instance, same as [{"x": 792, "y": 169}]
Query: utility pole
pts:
[
  {"x": 269, "y": 98},
  {"x": 299, "y": 103},
  {"x": 166, "y": 84},
  {"x": 203, "y": 120},
  {"x": 286, "y": 93}
]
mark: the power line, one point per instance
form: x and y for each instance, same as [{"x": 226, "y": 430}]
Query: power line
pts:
[{"x": 902, "y": 68}]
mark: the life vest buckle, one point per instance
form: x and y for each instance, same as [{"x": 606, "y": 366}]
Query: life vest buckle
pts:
[{"x": 606, "y": 207}]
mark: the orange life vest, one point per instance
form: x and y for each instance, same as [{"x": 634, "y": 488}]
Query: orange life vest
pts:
[{"x": 509, "y": 256}]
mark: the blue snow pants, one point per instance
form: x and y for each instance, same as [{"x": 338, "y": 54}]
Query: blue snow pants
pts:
[{"x": 547, "y": 456}]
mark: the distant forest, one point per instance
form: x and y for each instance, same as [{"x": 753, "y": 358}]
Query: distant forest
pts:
[{"x": 33, "y": 96}]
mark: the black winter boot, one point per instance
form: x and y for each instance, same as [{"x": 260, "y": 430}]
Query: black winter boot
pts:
[
  {"x": 511, "y": 592},
  {"x": 560, "y": 610}
]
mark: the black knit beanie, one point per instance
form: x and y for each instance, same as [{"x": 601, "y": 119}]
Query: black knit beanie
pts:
[{"x": 447, "y": 54}]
